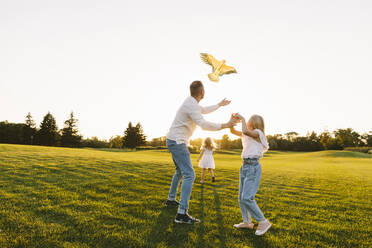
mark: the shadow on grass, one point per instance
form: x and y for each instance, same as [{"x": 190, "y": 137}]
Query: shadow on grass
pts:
[
  {"x": 158, "y": 232},
  {"x": 256, "y": 241},
  {"x": 219, "y": 220},
  {"x": 201, "y": 230},
  {"x": 346, "y": 154},
  {"x": 165, "y": 231},
  {"x": 248, "y": 236},
  {"x": 262, "y": 241}
]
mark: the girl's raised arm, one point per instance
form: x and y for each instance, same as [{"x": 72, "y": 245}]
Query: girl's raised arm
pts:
[
  {"x": 245, "y": 130},
  {"x": 234, "y": 131}
]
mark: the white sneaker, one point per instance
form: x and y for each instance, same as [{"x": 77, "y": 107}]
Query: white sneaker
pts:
[{"x": 263, "y": 226}]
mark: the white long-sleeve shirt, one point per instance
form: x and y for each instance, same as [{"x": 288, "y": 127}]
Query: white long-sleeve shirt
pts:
[{"x": 188, "y": 116}]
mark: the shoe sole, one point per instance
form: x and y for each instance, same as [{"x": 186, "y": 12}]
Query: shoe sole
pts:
[
  {"x": 236, "y": 226},
  {"x": 259, "y": 234},
  {"x": 171, "y": 205},
  {"x": 183, "y": 222}
]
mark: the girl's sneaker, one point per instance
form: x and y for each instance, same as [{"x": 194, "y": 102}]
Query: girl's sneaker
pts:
[
  {"x": 244, "y": 226},
  {"x": 213, "y": 179},
  {"x": 263, "y": 226}
]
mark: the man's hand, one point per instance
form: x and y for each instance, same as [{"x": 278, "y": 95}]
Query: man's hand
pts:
[
  {"x": 224, "y": 102},
  {"x": 232, "y": 122}
]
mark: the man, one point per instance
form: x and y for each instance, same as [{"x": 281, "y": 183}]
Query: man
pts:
[{"x": 188, "y": 116}]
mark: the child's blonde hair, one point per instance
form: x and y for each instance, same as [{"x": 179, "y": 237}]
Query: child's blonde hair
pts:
[
  {"x": 208, "y": 144},
  {"x": 258, "y": 122}
]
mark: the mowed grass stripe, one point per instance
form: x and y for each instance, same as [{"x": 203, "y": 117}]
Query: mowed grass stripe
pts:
[{"x": 61, "y": 197}]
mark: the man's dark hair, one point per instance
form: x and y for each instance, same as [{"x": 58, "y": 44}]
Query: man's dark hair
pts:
[{"x": 195, "y": 88}]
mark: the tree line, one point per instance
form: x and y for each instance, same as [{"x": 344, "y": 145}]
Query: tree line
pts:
[
  {"x": 292, "y": 141},
  {"x": 336, "y": 140},
  {"x": 48, "y": 134},
  {"x": 133, "y": 136}
]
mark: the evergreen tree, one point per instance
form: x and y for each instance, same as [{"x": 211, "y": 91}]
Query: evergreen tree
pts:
[
  {"x": 29, "y": 130},
  {"x": 130, "y": 139},
  {"x": 48, "y": 133},
  {"x": 141, "y": 137},
  {"x": 134, "y": 136},
  {"x": 30, "y": 121},
  {"x": 70, "y": 135}
]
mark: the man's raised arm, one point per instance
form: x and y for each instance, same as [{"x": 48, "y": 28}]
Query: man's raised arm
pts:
[
  {"x": 196, "y": 116},
  {"x": 210, "y": 109}
]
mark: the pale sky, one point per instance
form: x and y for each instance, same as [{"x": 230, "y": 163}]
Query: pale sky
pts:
[{"x": 302, "y": 65}]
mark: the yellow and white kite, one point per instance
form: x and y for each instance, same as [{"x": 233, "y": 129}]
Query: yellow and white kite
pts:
[{"x": 219, "y": 67}]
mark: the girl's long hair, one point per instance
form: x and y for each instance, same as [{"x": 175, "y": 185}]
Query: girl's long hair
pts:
[
  {"x": 208, "y": 144},
  {"x": 258, "y": 122}
]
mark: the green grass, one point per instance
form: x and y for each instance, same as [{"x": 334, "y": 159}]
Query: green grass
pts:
[{"x": 60, "y": 197}]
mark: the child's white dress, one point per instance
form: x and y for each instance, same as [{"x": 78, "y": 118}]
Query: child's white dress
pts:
[{"x": 207, "y": 160}]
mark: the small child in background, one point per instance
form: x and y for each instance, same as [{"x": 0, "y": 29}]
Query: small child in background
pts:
[{"x": 207, "y": 161}]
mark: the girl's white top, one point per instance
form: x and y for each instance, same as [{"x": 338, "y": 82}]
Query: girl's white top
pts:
[
  {"x": 207, "y": 160},
  {"x": 252, "y": 148}
]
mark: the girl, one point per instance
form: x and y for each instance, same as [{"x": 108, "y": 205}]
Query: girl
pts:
[
  {"x": 254, "y": 145},
  {"x": 207, "y": 162}
]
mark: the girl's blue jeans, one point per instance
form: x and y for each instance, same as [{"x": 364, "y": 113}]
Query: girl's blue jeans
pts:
[{"x": 250, "y": 175}]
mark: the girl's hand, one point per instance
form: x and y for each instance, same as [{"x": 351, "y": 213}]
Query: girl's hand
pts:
[
  {"x": 233, "y": 116},
  {"x": 238, "y": 116}
]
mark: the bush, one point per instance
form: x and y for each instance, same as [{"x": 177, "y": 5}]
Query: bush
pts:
[
  {"x": 142, "y": 148},
  {"x": 193, "y": 149},
  {"x": 359, "y": 149},
  {"x": 12, "y": 133},
  {"x": 94, "y": 142}
]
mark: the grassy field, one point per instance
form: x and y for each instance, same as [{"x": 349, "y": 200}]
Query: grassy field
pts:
[{"x": 60, "y": 197}]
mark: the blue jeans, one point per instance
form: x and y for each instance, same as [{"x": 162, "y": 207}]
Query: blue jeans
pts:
[
  {"x": 250, "y": 175},
  {"x": 182, "y": 162}
]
